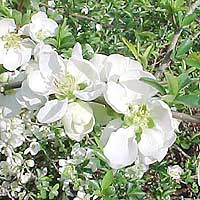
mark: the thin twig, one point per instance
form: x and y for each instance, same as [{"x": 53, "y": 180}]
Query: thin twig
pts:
[
  {"x": 182, "y": 152},
  {"x": 166, "y": 61}
]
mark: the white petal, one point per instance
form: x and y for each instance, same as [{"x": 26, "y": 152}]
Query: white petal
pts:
[
  {"x": 12, "y": 59},
  {"x": 161, "y": 114},
  {"x": 38, "y": 17},
  {"x": 152, "y": 141},
  {"x": 37, "y": 83},
  {"x": 7, "y": 26},
  {"x": 87, "y": 68},
  {"x": 90, "y": 93},
  {"x": 121, "y": 149},
  {"x": 115, "y": 65},
  {"x": 98, "y": 61},
  {"x": 77, "y": 51},
  {"x": 50, "y": 64},
  {"x": 116, "y": 96},
  {"x": 10, "y": 105},
  {"x": 52, "y": 111},
  {"x": 111, "y": 127},
  {"x": 132, "y": 82},
  {"x": 28, "y": 98}
]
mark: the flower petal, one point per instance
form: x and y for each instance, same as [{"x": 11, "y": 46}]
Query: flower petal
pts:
[
  {"x": 111, "y": 127},
  {"x": 116, "y": 96},
  {"x": 52, "y": 111},
  {"x": 12, "y": 59},
  {"x": 121, "y": 149},
  {"x": 7, "y": 26}
]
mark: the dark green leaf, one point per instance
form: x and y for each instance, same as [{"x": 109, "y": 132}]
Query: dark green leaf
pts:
[
  {"x": 184, "y": 48},
  {"x": 189, "y": 100},
  {"x": 183, "y": 80}
]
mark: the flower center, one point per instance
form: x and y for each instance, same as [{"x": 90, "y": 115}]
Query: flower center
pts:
[
  {"x": 140, "y": 117},
  {"x": 66, "y": 86},
  {"x": 12, "y": 40},
  {"x": 42, "y": 34}
]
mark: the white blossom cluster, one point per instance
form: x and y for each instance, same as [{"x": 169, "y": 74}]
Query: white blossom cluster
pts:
[{"x": 79, "y": 94}]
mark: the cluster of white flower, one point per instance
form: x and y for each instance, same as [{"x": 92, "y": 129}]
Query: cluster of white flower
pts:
[{"x": 57, "y": 89}]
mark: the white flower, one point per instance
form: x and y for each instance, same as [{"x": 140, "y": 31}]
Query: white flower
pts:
[
  {"x": 151, "y": 125},
  {"x": 158, "y": 133},
  {"x": 120, "y": 146},
  {"x": 33, "y": 149},
  {"x": 98, "y": 27},
  {"x": 14, "y": 50},
  {"x": 51, "y": 4},
  {"x": 82, "y": 196},
  {"x": 85, "y": 10},
  {"x": 137, "y": 170},
  {"x": 123, "y": 74},
  {"x": 175, "y": 172},
  {"x": 78, "y": 120},
  {"x": 40, "y": 27},
  {"x": 68, "y": 80}
]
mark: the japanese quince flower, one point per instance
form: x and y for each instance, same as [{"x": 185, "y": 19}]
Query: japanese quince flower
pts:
[
  {"x": 40, "y": 27},
  {"x": 66, "y": 80},
  {"x": 122, "y": 74},
  {"x": 175, "y": 172},
  {"x": 14, "y": 50},
  {"x": 78, "y": 120},
  {"x": 146, "y": 130}
]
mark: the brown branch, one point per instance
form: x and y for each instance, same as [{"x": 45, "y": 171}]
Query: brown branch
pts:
[
  {"x": 166, "y": 61},
  {"x": 186, "y": 117}
]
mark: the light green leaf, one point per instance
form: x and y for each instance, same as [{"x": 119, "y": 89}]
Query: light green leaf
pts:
[
  {"x": 193, "y": 60},
  {"x": 107, "y": 180},
  {"x": 179, "y": 3},
  {"x": 131, "y": 48},
  {"x": 188, "y": 19},
  {"x": 172, "y": 82}
]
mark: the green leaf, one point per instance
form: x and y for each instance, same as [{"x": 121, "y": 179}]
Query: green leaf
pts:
[
  {"x": 5, "y": 12},
  {"x": 107, "y": 180},
  {"x": 192, "y": 100},
  {"x": 179, "y": 3},
  {"x": 188, "y": 19},
  {"x": 100, "y": 113},
  {"x": 131, "y": 48},
  {"x": 55, "y": 187},
  {"x": 17, "y": 16},
  {"x": 183, "y": 80},
  {"x": 154, "y": 83},
  {"x": 193, "y": 60},
  {"x": 184, "y": 48},
  {"x": 148, "y": 51},
  {"x": 172, "y": 82},
  {"x": 43, "y": 193}
]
